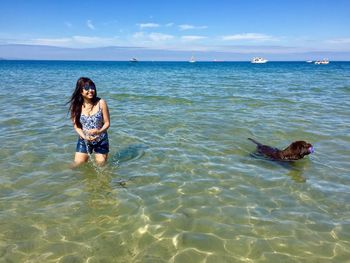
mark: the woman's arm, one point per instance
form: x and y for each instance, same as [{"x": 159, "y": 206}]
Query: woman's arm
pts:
[
  {"x": 79, "y": 131},
  {"x": 105, "y": 113}
]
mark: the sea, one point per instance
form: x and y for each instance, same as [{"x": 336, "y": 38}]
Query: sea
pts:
[{"x": 182, "y": 183}]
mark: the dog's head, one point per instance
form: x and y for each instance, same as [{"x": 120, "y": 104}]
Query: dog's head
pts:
[{"x": 300, "y": 148}]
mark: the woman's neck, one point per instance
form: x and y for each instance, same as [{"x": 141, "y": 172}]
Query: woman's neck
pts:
[{"x": 88, "y": 102}]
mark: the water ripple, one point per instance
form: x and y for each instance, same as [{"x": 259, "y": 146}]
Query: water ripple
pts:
[{"x": 181, "y": 184}]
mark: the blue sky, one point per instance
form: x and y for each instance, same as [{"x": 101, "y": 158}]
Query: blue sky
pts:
[{"x": 239, "y": 26}]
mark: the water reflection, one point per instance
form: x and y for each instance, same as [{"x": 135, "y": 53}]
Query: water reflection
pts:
[
  {"x": 105, "y": 178},
  {"x": 295, "y": 168}
]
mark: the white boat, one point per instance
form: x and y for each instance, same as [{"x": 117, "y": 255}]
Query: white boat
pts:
[
  {"x": 133, "y": 60},
  {"x": 322, "y": 62},
  {"x": 309, "y": 61},
  {"x": 258, "y": 60},
  {"x": 192, "y": 60}
]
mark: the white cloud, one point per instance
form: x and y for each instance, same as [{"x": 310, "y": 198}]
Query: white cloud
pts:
[
  {"x": 138, "y": 35},
  {"x": 92, "y": 40},
  {"x": 75, "y": 41},
  {"x": 160, "y": 37},
  {"x": 186, "y": 27},
  {"x": 51, "y": 41},
  {"x": 90, "y": 25},
  {"x": 153, "y": 25},
  {"x": 250, "y": 37},
  {"x": 192, "y": 38},
  {"x": 339, "y": 41},
  {"x": 154, "y": 37},
  {"x": 189, "y": 27},
  {"x": 148, "y": 25}
]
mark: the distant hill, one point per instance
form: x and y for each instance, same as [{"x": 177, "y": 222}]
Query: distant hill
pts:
[{"x": 115, "y": 53}]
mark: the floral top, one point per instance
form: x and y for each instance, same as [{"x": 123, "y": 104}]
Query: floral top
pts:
[{"x": 94, "y": 121}]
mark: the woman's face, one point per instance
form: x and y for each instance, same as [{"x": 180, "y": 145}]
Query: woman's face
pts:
[{"x": 88, "y": 91}]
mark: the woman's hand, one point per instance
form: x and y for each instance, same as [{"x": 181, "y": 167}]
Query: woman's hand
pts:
[
  {"x": 93, "y": 132},
  {"x": 91, "y": 135},
  {"x": 90, "y": 138}
]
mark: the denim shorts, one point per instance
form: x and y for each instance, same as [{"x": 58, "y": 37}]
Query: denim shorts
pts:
[{"x": 101, "y": 146}]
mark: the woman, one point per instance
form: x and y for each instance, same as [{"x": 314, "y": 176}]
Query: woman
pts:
[{"x": 90, "y": 117}]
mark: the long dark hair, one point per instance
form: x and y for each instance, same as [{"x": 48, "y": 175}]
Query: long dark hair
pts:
[{"x": 76, "y": 101}]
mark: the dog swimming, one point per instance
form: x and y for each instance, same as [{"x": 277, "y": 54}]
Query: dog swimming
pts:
[{"x": 295, "y": 151}]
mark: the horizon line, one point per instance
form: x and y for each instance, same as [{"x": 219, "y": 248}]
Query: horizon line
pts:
[{"x": 140, "y": 61}]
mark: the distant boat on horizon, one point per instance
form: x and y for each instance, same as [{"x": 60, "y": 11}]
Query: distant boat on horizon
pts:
[
  {"x": 322, "y": 62},
  {"x": 258, "y": 60},
  {"x": 133, "y": 60},
  {"x": 192, "y": 60},
  {"x": 309, "y": 61}
]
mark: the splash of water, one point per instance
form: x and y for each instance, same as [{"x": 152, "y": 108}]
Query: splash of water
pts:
[{"x": 98, "y": 168}]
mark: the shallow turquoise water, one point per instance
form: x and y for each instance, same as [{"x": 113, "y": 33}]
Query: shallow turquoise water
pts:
[{"x": 181, "y": 185}]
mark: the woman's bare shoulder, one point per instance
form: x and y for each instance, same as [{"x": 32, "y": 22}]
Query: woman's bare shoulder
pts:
[{"x": 103, "y": 103}]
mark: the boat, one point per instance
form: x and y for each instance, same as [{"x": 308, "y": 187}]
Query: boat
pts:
[
  {"x": 258, "y": 60},
  {"x": 309, "y": 61},
  {"x": 192, "y": 60},
  {"x": 133, "y": 60},
  {"x": 322, "y": 62}
]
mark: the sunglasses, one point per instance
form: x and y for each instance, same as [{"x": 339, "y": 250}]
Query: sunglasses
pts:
[{"x": 87, "y": 87}]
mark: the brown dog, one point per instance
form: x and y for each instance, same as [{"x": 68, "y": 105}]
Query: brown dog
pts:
[{"x": 295, "y": 151}]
